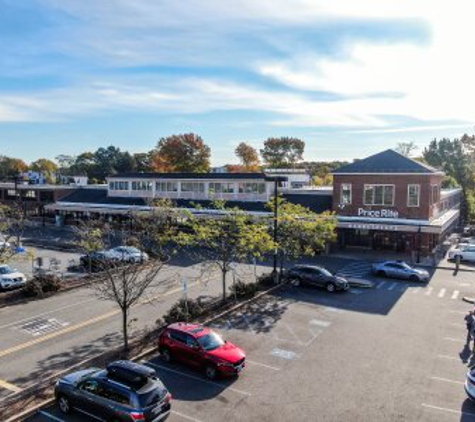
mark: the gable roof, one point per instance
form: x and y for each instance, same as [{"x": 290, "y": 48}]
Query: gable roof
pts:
[{"x": 387, "y": 162}]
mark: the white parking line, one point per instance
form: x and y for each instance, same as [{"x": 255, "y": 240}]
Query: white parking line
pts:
[
  {"x": 444, "y": 409},
  {"x": 448, "y": 357},
  {"x": 447, "y": 380},
  {"x": 453, "y": 339},
  {"x": 185, "y": 416},
  {"x": 442, "y": 292},
  {"x": 50, "y": 416},
  {"x": 381, "y": 284},
  {"x": 216, "y": 384},
  {"x": 455, "y": 294},
  {"x": 252, "y": 362},
  {"x": 429, "y": 291},
  {"x": 392, "y": 286}
]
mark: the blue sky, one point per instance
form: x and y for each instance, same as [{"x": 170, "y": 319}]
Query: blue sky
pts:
[{"x": 350, "y": 77}]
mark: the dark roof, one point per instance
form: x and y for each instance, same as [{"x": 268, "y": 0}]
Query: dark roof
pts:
[
  {"x": 389, "y": 162},
  {"x": 317, "y": 203},
  {"x": 189, "y": 176}
]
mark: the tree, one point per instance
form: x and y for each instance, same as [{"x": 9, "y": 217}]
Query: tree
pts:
[
  {"x": 10, "y": 219},
  {"x": 457, "y": 161},
  {"x": 225, "y": 239},
  {"x": 181, "y": 153},
  {"x": 142, "y": 162},
  {"x": 406, "y": 148},
  {"x": 248, "y": 156},
  {"x": 122, "y": 282},
  {"x": 45, "y": 167},
  {"x": 282, "y": 152},
  {"x": 301, "y": 231},
  {"x": 11, "y": 167},
  {"x": 326, "y": 180}
]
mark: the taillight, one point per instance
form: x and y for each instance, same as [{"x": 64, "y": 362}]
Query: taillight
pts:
[
  {"x": 137, "y": 416},
  {"x": 168, "y": 398}
]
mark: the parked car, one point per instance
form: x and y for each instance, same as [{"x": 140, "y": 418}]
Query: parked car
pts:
[
  {"x": 316, "y": 276},
  {"x": 94, "y": 261},
  {"x": 11, "y": 278},
  {"x": 400, "y": 269},
  {"x": 125, "y": 391},
  {"x": 466, "y": 252},
  {"x": 127, "y": 254},
  {"x": 202, "y": 348},
  {"x": 470, "y": 383}
]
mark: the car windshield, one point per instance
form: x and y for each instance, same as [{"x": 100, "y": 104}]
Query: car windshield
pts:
[
  {"x": 405, "y": 265},
  {"x": 6, "y": 270},
  {"x": 211, "y": 341},
  {"x": 131, "y": 250}
]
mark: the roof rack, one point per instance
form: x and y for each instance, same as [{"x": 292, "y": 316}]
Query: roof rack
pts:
[{"x": 130, "y": 373}]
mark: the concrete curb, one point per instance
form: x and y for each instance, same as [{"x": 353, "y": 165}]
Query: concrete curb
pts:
[{"x": 33, "y": 410}]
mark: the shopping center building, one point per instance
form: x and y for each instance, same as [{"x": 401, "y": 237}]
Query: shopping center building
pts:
[
  {"x": 389, "y": 201},
  {"x": 386, "y": 201}
]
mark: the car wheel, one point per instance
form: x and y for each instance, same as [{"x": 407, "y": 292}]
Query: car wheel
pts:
[
  {"x": 211, "y": 372},
  {"x": 414, "y": 278},
  {"x": 63, "y": 403},
  {"x": 295, "y": 282},
  {"x": 331, "y": 287},
  {"x": 381, "y": 273},
  {"x": 166, "y": 355}
]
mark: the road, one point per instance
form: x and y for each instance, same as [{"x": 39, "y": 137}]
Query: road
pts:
[{"x": 393, "y": 353}]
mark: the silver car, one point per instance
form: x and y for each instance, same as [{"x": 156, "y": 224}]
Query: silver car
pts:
[{"x": 400, "y": 269}]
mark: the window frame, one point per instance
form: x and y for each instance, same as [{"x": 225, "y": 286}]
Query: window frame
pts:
[
  {"x": 342, "y": 201},
  {"x": 409, "y": 186},
  {"x": 383, "y": 185}
]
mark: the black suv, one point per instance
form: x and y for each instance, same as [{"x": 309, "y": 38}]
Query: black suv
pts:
[
  {"x": 125, "y": 391},
  {"x": 316, "y": 276}
]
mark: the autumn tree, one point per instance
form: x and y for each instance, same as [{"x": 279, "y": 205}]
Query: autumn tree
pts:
[
  {"x": 301, "y": 232},
  {"x": 45, "y": 167},
  {"x": 248, "y": 157},
  {"x": 181, "y": 153},
  {"x": 228, "y": 237},
  {"x": 11, "y": 167},
  {"x": 282, "y": 152}
]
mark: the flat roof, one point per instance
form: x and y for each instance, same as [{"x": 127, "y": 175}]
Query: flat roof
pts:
[{"x": 191, "y": 176}]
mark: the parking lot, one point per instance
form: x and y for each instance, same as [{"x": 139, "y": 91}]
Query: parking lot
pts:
[{"x": 394, "y": 352}]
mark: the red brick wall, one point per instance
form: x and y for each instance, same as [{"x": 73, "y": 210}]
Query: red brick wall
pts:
[{"x": 424, "y": 211}]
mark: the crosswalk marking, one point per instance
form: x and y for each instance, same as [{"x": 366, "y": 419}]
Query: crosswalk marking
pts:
[
  {"x": 442, "y": 292},
  {"x": 392, "y": 286},
  {"x": 455, "y": 294},
  {"x": 381, "y": 284},
  {"x": 429, "y": 291}
]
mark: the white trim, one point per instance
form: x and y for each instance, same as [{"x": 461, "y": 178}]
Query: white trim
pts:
[
  {"x": 437, "y": 173},
  {"x": 351, "y": 193},
  {"x": 418, "y": 195},
  {"x": 412, "y": 222},
  {"x": 383, "y": 204}
]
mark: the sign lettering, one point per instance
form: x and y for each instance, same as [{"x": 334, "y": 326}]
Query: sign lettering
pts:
[{"x": 377, "y": 213}]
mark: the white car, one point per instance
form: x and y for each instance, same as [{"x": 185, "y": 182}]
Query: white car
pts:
[
  {"x": 465, "y": 252},
  {"x": 11, "y": 278},
  {"x": 127, "y": 254}
]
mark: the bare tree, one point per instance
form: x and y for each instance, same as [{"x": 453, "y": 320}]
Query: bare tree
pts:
[
  {"x": 406, "y": 148},
  {"x": 125, "y": 281}
]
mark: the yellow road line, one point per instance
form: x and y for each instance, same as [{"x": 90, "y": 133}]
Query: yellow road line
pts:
[
  {"x": 67, "y": 330},
  {"x": 76, "y": 327},
  {"x": 8, "y": 386}
]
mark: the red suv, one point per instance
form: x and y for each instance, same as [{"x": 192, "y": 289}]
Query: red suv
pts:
[{"x": 201, "y": 347}]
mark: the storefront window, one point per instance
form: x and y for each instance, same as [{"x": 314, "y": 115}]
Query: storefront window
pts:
[
  {"x": 218, "y": 187},
  {"x": 119, "y": 185},
  {"x": 141, "y": 185},
  {"x": 413, "y": 194},
  {"x": 345, "y": 198},
  {"x": 167, "y": 186},
  {"x": 192, "y": 187},
  {"x": 379, "y": 195},
  {"x": 252, "y": 188}
]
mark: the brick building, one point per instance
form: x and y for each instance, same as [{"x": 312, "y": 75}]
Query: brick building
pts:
[{"x": 389, "y": 201}]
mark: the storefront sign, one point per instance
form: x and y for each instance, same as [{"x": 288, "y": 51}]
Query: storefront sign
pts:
[
  {"x": 377, "y": 213},
  {"x": 363, "y": 226}
]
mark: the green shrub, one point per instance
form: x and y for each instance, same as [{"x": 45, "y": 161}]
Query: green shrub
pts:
[
  {"x": 183, "y": 311},
  {"x": 41, "y": 284},
  {"x": 242, "y": 289}
]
